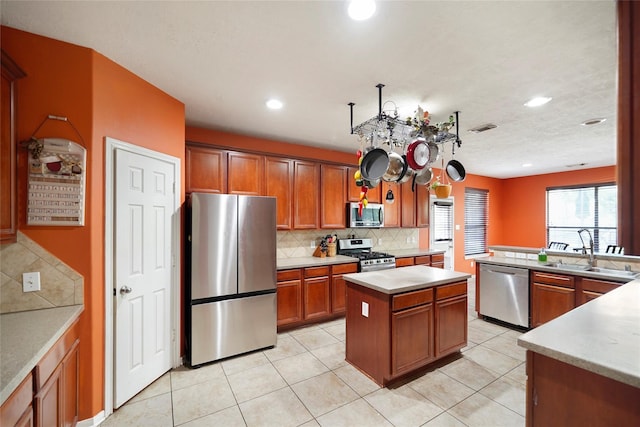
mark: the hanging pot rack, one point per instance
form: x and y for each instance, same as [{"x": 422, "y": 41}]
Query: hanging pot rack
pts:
[{"x": 387, "y": 128}]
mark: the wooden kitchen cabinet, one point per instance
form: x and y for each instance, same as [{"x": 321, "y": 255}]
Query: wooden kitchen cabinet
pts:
[
  {"x": 392, "y": 211},
  {"x": 17, "y": 410},
  {"x": 408, "y": 209},
  {"x": 338, "y": 286},
  {"x": 437, "y": 260},
  {"x": 316, "y": 293},
  {"x": 592, "y": 288},
  {"x": 245, "y": 173},
  {"x": 405, "y": 261},
  {"x": 412, "y": 331},
  {"x": 279, "y": 183},
  {"x": 289, "y": 297},
  {"x": 450, "y": 318},
  {"x": 373, "y": 194},
  {"x": 206, "y": 170},
  {"x": 306, "y": 179},
  {"x": 333, "y": 193},
  {"x": 423, "y": 260},
  {"x": 551, "y": 296},
  {"x": 422, "y": 206},
  {"x": 11, "y": 72}
]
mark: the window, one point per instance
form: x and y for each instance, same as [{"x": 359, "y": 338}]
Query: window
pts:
[
  {"x": 594, "y": 207},
  {"x": 476, "y": 217}
]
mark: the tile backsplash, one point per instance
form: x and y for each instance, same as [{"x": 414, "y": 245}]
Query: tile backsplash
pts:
[
  {"x": 60, "y": 285},
  {"x": 293, "y": 244}
]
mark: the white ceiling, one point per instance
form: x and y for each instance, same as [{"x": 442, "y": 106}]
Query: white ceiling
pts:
[{"x": 483, "y": 58}]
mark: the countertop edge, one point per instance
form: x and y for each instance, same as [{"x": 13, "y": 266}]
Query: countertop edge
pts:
[
  {"x": 302, "y": 262},
  {"x": 452, "y": 277},
  {"x": 29, "y": 365}
]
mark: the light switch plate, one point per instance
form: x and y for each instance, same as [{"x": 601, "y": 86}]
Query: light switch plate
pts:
[
  {"x": 31, "y": 281},
  {"x": 365, "y": 309}
]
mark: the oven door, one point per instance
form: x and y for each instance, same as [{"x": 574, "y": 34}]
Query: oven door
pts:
[{"x": 372, "y": 215}]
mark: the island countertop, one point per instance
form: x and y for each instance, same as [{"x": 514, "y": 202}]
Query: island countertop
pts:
[
  {"x": 395, "y": 281},
  {"x": 602, "y": 336}
]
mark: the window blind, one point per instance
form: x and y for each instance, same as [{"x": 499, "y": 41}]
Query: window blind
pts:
[{"x": 476, "y": 218}]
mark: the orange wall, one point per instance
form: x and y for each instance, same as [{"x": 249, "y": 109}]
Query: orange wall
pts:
[
  {"x": 524, "y": 218},
  {"x": 101, "y": 99}
]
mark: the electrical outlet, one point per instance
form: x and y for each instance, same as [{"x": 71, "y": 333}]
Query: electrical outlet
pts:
[
  {"x": 380, "y": 241},
  {"x": 312, "y": 244},
  {"x": 408, "y": 239},
  {"x": 31, "y": 281},
  {"x": 365, "y": 309}
]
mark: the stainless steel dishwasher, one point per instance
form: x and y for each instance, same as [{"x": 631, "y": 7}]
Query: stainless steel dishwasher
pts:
[{"x": 504, "y": 294}]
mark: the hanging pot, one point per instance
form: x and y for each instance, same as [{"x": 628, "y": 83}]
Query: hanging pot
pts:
[
  {"x": 407, "y": 172},
  {"x": 421, "y": 177},
  {"x": 418, "y": 154},
  {"x": 434, "y": 152},
  {"x": 456, "y": 171},
  {"x": 374, "y": 164},
  {"x": 371, "y": 183},
  {"x": 395, "y": 169}
]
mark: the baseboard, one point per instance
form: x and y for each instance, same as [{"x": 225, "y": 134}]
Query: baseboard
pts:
[{"x": 92, "y": 422}]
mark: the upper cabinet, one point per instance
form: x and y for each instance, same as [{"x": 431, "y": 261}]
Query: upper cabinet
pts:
[
  {"x": 245, "y": 173},
  {"x": 206, "y": 170},
  {"x": 279, "y": 183},
  {"x": 408, "y": 209},
  {"x": 373, "y": 194},
  {"x": 333, "y": 196},
  {"x": 392, "y": 211},
  {"x": 306, "y": 179},
  {"x": 422, "y": 205},
  {"x": 8, "y": 217}
]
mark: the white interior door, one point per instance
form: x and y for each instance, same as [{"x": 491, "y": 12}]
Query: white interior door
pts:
[
  {"x": 144, "y": 206},
  {"x": 441, "y": 233}
]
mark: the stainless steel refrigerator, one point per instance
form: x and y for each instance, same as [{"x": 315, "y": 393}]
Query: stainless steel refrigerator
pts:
[{"x": 231, "y": 276}]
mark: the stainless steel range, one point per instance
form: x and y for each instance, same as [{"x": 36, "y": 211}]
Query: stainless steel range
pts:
[{"x": 369, "y": 260}]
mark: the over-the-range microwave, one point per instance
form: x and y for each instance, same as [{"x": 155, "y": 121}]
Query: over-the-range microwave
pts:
[{"x": 372, "y": 215}]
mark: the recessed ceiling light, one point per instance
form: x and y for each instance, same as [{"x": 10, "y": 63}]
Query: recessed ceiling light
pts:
[
  {"x": 538, "y": 101},
  {"x": 593, "y": 121},
  {"x": 527, "y": 165},
  {"x": 274, "y": 104},
  {"x": 359, "y": 10}
]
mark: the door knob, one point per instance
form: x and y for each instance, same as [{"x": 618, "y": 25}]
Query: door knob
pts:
[{"x": 125, "y": 290}]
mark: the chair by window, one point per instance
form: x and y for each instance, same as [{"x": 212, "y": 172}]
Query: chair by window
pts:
[
  {"x": 558, "y": 246},
  {"x": 613, "y": 249}
]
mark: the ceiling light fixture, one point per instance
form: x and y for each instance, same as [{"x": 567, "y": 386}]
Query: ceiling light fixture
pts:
[
  {"x": 274, "y": 104},
  {"x": 527, "y": 165},
  {"x": 538, "y": 101},
  {"x": 360, "y": 10},
  {"x": 591, "y": 122}
]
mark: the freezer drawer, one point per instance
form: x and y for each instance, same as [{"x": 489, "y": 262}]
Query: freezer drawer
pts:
[
  {"x": 504, "y": 294},
  {"x": 225, "y": 328}
]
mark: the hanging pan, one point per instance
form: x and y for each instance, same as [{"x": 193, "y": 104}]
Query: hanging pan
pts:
[
  {"x": 374, "y": 164},
  {"x": 421, "y": 177},
  {"x": 456, "y": 171}
]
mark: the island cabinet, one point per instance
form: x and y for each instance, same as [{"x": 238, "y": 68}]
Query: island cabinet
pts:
[
  {"x": 17, "y": 410},
  {"x": 390, "y": 336},
  {"x": 551, "y": 296},
  {"x": 279, "y": 184},
  {"x": 333, "y": 193}
]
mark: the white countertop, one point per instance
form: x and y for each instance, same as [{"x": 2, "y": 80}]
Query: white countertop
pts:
[
  {"x": 602, "y": 336},
  {"x": 312, "y": 261},
  {"x": 395, "y": 281},
  {"x": 25, "y": 337}
]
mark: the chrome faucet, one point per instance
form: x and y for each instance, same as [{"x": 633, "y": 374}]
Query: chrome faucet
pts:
[{"x": 584, "y": 247}]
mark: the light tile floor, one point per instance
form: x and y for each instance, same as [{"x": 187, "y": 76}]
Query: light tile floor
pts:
[{"x": 305, "y": 381}]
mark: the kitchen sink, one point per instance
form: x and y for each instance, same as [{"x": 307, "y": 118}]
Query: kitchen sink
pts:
[
  {"x": 614, "y": 272},
  {"x": 566, "y": 266}
]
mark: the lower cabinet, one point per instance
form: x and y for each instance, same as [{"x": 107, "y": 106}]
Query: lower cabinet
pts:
[
  {"x": 552, "y": 295},
  {"x": 317, "y": 301},
  {"x": 591, "y": 289},
  {"x": 451, "y": 318},
  {"x": 390, "y": 337},
  {"x": 49, "y": 394},
  {"x": 435, "y": 260},
  {"x": 312, "y": 294}
]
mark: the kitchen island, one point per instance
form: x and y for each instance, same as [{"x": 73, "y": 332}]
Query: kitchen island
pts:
[
  {"x": 583, "y": 368},
  {"x": 398, "y": 321}
]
